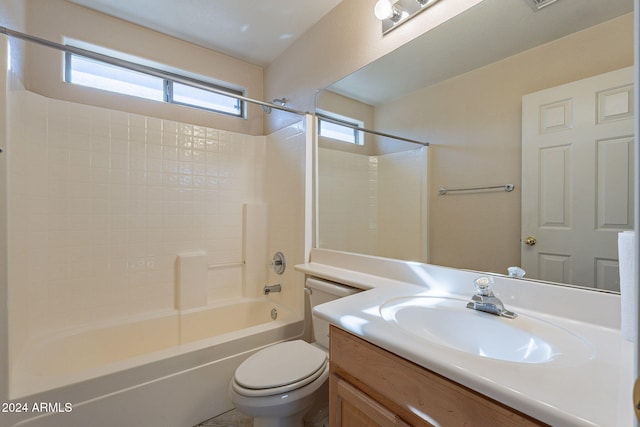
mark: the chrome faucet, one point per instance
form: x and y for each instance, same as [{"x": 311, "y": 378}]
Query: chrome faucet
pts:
[
  {"x": 273, "y": 288},
  {"x": 485, "y": 300}
]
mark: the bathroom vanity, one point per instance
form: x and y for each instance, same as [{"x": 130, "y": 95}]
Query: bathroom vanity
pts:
[
  {"x": 374, "y": 387},
  {"x": 408, "y": 351}
]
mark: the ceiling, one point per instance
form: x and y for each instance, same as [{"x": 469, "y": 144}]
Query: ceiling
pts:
[{"x": 256, "y": 31}]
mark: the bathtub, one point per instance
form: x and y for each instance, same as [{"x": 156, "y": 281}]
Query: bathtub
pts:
[{"x": 171, "y": 369}]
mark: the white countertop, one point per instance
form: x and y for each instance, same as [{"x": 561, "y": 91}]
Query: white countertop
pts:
[{"x": 593, "y": 391}]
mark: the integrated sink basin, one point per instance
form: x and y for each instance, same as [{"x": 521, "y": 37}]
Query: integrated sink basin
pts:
[{"x": 447, "y": 322}]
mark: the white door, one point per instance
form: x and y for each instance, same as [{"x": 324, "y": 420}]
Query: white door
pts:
[{"x": 577, "y": 179}]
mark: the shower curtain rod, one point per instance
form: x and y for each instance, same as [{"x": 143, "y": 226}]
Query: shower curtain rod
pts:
[
  {"x": 141, "y": 68},
  {"x": 181, "y": 79},
  {"x": 356, "y": 127}
]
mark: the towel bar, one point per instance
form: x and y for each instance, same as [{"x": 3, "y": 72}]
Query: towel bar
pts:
[{"x": 505, "y": 187}]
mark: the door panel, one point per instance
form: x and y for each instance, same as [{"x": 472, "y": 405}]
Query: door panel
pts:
[{"x": 577, "y": 179}]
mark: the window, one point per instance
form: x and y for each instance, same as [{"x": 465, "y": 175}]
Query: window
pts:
[
  {"x": 195, "y": 97},
  {"x": 341, "y": 128},
  {"x": 101, "y": 75}
]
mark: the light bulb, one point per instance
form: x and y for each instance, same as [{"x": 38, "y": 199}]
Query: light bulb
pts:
[{"x": 383, "y": 9}]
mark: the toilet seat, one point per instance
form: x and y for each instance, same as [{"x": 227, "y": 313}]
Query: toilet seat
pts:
[{"x": 280, "y": 368}]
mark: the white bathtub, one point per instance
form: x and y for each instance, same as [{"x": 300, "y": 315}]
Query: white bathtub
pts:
[{"x": 170, "y": 370}]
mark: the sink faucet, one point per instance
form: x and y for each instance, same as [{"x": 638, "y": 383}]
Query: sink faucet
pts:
[
  {"x": 268, "y": 289},
  {"x": 485, "y": 300}
]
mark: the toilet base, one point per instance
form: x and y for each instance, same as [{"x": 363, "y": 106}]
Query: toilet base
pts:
[{"x": 313, "y": 412}]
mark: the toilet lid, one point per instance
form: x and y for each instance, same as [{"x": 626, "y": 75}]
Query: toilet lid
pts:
[{"x": 280, "y": 365}]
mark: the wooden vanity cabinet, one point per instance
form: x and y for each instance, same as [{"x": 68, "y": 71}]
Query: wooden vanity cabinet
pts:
[{"x": 370, "y": 386}]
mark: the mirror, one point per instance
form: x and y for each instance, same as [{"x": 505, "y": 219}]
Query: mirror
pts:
[
  {"x": 460, "y": 87},
  {"x": 371, "y": 192}
]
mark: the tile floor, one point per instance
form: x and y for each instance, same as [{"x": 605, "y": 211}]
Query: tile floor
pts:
[{"x": 233, "y": 418}]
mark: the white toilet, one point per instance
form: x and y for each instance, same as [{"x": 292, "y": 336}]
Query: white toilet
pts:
[{"x": 282, "y": 383}]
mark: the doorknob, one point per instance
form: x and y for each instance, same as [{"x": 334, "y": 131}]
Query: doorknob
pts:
[{"x": 530, "y": 241}]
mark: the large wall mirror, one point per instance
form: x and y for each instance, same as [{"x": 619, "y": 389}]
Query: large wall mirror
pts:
[{"x": 463, "y": 87}]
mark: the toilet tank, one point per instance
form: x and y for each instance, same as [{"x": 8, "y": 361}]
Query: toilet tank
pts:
[{"x": 321, "y": 291}]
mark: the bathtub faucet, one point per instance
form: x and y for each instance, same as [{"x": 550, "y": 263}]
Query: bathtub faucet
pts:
[{"x": 273, "y": 288}]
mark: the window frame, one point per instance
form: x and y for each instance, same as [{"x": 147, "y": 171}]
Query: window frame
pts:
[
  {"x": 170, "y": 98},
  {"x": 167, "y": 87},
  {"x": 355, "y": 125}
]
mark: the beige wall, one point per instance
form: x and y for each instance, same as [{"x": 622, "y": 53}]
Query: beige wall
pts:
[
  {"x": 474, "y": 124},
  {"x": 13, "y": 16},
  {"x": 58, "y": 20}
]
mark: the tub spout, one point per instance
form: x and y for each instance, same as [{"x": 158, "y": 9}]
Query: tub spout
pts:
[{"x": 273, "y": 288}]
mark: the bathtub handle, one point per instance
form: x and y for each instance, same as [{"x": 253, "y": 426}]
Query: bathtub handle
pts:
[{"x": 278, "y": 263}]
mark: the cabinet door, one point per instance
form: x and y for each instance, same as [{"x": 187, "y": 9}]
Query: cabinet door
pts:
[{"x": 352, "y": 408}]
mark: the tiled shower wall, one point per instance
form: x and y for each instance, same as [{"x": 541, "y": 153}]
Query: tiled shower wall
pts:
[
  {"x": 373, "y": 204},
  {"x": 348, "y": 201},
  {"x": 102, "y": 202},
  {"x": 402, "y": 205}
]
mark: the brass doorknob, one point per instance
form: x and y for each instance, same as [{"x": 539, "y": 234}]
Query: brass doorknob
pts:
[
  {"x": 636, "y": 398},
  {"x": 530, "y": 241}
]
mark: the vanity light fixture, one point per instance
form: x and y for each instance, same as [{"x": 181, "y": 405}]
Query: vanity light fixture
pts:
[
  {"x": 386, "y": 9},
  {"x": 394, "y": 13}
]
